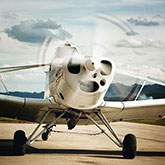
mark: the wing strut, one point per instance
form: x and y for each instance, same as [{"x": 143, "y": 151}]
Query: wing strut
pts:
[
  {"x": 3, "y": 84},
  {"x": 140, "y": 90}
]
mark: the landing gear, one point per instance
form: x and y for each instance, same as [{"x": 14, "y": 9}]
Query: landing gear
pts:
[
  {"x": 129, "y": 146},
  {"x": 47, "y": 128},
  {"x": 19, "y": 142},
  {"x": 129, "y": 143},
  {"x": 45, "y": 136},
  {"x": 73, "y": 121}
]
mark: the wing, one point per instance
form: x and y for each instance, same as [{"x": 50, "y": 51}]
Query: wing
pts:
[
  {"x": 26, "y": 108},
  {"x": 129, "y": 110},
  {"x": 34, "y": 109}
]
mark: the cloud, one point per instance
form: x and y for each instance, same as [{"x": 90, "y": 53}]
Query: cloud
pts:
[
  {"x": 158, "y": 16},
  {"x": 157, "y": 20},
  {"x": 139, "y": 53},
  {"x": 116, "y": 21},
  {"x": 142, "y": 22},
  {"x": 33, "y": 31},
  {"x": 20, "y": 81},
  {"x": 40, "y": 24},
  {"x": 154, "y": 73},
  {"x": 140, "y": 44},
  {"x": 8, "y": 15}
]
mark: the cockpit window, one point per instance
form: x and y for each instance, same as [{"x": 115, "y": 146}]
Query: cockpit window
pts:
[{"x": 73, "y": 67}]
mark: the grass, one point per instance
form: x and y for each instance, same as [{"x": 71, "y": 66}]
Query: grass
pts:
[
  {"x": 150, "y": 121},
  {"x": 11, "y": 120}
]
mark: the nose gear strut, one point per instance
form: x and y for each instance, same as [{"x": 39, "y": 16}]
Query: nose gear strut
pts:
[{"x": 73, "y": 121}]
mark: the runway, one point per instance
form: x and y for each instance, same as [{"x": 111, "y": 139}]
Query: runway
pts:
[{"x": 81, "y": 149}]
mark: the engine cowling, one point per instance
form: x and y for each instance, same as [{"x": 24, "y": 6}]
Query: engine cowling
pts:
[{"x": 84, "y": 81}]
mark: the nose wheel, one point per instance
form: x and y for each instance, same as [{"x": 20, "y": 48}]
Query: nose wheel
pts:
[{"x": 45, "y": 136}]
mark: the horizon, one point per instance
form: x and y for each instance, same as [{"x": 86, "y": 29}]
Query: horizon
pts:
[{"x": 116, "y": 92}]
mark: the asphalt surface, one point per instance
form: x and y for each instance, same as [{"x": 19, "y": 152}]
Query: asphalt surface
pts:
[{"x": 81, "y": 149}]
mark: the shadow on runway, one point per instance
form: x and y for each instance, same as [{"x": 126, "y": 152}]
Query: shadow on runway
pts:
[{"x": 6, "y": 149}]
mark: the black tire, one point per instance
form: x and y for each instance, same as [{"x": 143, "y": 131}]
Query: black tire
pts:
[
  {"x": 129, "y": 146},
  {"x": 19, "y": 144},
  {"x": 45, "y": 136}
]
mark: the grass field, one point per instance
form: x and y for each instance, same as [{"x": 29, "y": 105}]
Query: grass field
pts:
[
  {"x": 150, "y": 121},
  {"x": 10, "y": 120}
]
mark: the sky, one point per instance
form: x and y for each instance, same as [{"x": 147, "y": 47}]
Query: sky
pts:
[{"x": 130, "y": 32}]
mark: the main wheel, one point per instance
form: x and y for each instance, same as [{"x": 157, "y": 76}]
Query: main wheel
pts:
[
  {"x": 45, "y": 136},
  {"x": 129, "y": 146},
  {"x": 19, "y": 144}
]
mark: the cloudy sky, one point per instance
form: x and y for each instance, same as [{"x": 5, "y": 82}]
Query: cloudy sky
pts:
[{"x": 131, "y": 32}]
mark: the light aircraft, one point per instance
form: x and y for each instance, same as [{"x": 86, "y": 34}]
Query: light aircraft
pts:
[{"x": 74, "y": 94}]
